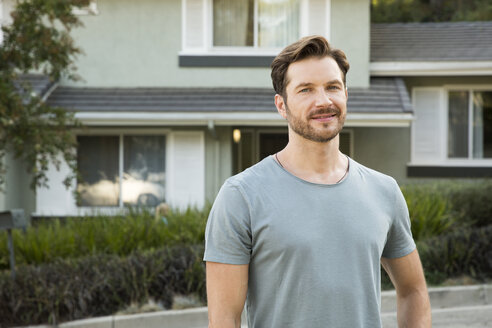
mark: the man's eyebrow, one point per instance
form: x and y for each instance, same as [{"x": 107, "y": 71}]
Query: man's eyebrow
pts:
[
  {"x": 303, "y": 84},
  {"x": 336, "y": 81},
  {"x": 308, "y": 84}
]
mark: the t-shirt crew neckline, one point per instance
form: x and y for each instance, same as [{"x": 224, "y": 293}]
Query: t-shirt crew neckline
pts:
[{"x": 325, "y": 185}]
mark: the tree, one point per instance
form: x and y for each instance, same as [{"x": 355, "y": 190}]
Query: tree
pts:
[
  {"x": 392, "y": 11},
  {"x": 38, "y": 40}
]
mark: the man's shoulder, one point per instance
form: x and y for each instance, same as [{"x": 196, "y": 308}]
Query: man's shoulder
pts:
[
  {"x": 372, "y": 176},
  {"x": 249, "y": 184},
  {"x": 253, "y": 175}
]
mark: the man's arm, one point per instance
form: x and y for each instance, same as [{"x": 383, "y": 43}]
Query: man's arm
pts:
[
  {"x": 411, "y": 291},
  {"x": 227, "y": 285}
]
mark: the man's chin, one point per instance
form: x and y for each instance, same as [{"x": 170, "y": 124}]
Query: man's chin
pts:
[{"x": 319, "y": 137}]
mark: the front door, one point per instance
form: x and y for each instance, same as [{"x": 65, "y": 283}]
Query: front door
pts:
[{"x": 251, "y": 145}]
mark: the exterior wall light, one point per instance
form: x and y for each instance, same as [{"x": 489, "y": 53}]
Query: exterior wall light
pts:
[{"x": 236, "y": 135}]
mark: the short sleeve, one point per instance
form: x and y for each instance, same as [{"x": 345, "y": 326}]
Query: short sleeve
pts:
[
  {"x": 228, "y": 231},
  {"x": 399, "y": 242}
]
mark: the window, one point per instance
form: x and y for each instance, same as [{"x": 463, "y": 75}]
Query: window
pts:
[
  {"x": 255, "y": 23},
  {"x": 121, "y": 170},
  {"x": 470, "y": 124},
  {"x": 248, "y": 28}
]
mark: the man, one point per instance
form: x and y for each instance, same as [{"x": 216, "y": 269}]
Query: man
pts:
[{"x": 303, "y": 233}]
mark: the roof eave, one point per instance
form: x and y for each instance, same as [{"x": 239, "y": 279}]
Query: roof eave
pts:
[
  {"x": 95, "y": 119},
  {"x": 431, "y": 68}
]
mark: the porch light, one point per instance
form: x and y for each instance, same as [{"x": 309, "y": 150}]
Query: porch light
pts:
[{"x": 236, "y": 135}]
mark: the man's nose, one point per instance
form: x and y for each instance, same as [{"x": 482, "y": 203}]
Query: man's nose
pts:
[{"x": 323, "y": 98}]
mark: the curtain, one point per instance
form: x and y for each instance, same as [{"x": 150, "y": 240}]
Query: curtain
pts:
[
  {"x": 278, "y": 22},
  {"x": 233, "y": 23}
]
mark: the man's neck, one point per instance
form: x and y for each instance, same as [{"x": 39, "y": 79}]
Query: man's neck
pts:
[{"x": 314, "y": 161}]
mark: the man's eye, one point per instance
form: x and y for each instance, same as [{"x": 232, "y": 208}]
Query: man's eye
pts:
[
  {"x": 304, "y": 90},
  {"x": 333, "y": 87}
]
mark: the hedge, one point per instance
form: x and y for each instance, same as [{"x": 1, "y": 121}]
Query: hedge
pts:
[
  {"x": 436, "y": 208},
  {"x": 47, "y": 240},
  {"x": 472, "y": 202},
  {"x": 103, "y": 284},
  {"x": 462, "y": 252},
  {"x": 99, "y": 285}
]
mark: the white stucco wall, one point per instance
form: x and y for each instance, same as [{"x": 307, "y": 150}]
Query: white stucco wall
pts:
[{"x": 137, "y": 43}]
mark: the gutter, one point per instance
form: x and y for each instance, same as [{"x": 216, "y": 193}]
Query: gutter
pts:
[{"x": 431, "y": 68}]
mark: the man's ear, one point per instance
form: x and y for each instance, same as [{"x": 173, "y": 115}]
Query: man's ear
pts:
[{"x": 280, "y": 104}]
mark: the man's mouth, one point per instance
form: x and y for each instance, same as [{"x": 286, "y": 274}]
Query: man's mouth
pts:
[{"x": 324, "y": 117}]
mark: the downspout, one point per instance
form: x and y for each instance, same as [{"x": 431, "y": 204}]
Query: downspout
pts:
[{"x": 50, "y": 90}]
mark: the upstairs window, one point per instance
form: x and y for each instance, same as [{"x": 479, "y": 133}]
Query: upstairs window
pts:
[
  {"x": 255, "y": 23},
  {"x": 470, "y": 124},
  {"x": 250, "y": 26}
]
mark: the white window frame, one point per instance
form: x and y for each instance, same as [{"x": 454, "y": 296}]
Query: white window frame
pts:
[
  {"x": 210, "y": 49},
  {"x": 254, "y": 48},
  {"x": 91, "y": 9},
  {"x": 470, "y": 89},
  {"x": 441, "y": 157},
  {"x": 121, "y": 134},
  {"x": 56, "y": 200}
]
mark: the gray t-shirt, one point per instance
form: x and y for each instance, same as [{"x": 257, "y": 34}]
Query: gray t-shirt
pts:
[{"x": 313, "y": 249}]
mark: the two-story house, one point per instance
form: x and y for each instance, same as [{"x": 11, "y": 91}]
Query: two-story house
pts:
[{"x": 177, "y": 97}]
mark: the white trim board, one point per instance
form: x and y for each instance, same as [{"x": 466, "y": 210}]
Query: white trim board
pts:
[
  {"x": 430, "y": 68},
  {"x": 225, "y": 119},
  {"x": 454, "y": 163}
]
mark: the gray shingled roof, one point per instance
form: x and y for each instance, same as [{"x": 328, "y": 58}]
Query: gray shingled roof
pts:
[
  {"x": 386, "y": 95},
  {"x": 456, "y": 41},
  {"x": 40, "y": 84}
]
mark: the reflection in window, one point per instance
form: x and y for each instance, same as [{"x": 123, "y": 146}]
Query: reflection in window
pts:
[
  {"x": 143, "y": 172},
  {"x": 458, "y": 125},
  {"x": 97, "y": 160},
  {"x": 255, "y": 23},
  {"x": 470, "y": 124},
  {"x": 482, "y": 125}
]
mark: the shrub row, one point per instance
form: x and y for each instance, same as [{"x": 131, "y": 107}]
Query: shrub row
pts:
[
  {"x": 51, "y": 239},
  {"x": 471, "y": 202},
  {"x": 429, "y": 209},
  {"x": 99, "y": 285},
  {"x": 462, "y": 252},
  {"x": 103, "y": 284},
  {"x": 435, "y": 209},
  {"x": 438, "y": 208}
]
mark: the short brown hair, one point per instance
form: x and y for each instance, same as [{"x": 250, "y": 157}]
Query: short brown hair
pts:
[{"x": 309, "y": 46}]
